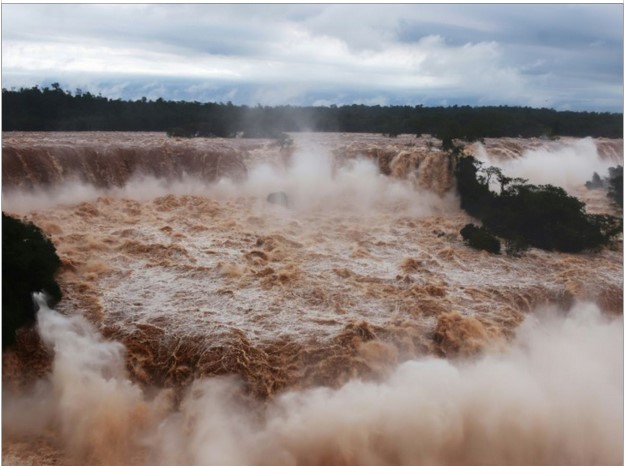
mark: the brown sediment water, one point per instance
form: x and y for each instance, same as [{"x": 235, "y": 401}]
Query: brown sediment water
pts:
[
  {"x": 38, "y": 160},
  {"x": 218, "y": 328}
]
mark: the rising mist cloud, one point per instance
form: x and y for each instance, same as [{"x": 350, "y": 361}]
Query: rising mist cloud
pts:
[{"x": 553, "y": 397}]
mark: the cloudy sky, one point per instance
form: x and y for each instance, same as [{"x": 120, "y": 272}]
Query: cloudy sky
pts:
[{"x": 564, "y": 56}]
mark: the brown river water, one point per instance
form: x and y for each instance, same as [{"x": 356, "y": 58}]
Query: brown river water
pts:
[{"x": 202, "y": 325}]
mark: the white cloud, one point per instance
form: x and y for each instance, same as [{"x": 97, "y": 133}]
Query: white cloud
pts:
[
  {"x": 65, "y": 57},
  {"x": 437, "y": 51}
]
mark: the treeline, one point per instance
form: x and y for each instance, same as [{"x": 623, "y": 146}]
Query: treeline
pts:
[{"x": 54, "y": 109}]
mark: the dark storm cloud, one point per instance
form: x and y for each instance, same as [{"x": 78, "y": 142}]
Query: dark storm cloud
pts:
[{"x": 565, "y": 56}]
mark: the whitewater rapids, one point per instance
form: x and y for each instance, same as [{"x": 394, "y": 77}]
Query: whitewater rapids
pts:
[{"x": 203, "y": 325}]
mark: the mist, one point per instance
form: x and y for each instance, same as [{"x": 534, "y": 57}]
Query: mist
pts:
[
  {"x": 568, "y": 164},
  {"x": 312, "y": 175},
  {"x": 312, "y": 179},
  {"x": 554, "y": 396},
  {"x": 329, "y": 313}
]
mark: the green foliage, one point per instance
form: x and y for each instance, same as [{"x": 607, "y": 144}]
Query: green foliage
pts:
[
  {"x": 476, "y": 197},
  {"x": 480, "y": 238},
  {"x": 615, "y": 190},
  {"x": 52, "y": 109},
  {"x": 613, "y": 183},
  {"x": 545, "y": 216},
  {"x": 29, "y": 262},
  {"x": 284, "y": 140}
]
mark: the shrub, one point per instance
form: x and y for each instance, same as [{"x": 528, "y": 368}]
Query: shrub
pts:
[
  {"x": 29, "y": 262},
  {"x": 284, "y": 140},
  {"x": 613, "y": 183},
  {"x": 614, "y": 191},
  {"x": 596, "y": 182},
  {"x": 480, "y": 238}
]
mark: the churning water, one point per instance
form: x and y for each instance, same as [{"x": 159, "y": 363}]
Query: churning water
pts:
[{"x": 203, "y": 325}]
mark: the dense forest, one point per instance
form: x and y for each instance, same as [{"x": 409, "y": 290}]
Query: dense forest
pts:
[{"x": 55, "y": 109}]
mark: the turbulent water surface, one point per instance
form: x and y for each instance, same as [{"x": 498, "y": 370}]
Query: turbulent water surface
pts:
[{"x": 203, "y": 325}]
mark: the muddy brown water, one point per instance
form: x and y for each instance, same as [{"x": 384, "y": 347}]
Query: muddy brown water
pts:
[{"x": 235, "y": 318}]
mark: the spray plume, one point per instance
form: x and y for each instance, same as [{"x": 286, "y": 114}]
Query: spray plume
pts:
[
  {"x": 311, "y": 178},
  {"x": 568, "y": 164},
  {"x": 553, "y": 397}
]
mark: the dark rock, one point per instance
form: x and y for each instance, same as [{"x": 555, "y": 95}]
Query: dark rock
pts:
[{"x": 278, "y": 198}]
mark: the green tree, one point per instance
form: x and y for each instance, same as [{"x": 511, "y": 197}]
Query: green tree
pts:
[
  {"x": 29, "y": 263},
  {"x": 615, "y": 190}
]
